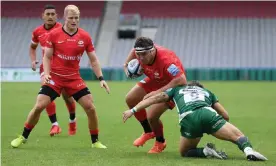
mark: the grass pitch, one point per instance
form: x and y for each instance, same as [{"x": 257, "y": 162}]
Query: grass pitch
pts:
[{"x": 251, "y": 106}]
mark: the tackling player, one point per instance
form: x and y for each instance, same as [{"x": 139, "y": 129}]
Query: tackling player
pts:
[
  {"x": 39, "y": 36},
  {"x": 64, "y": 49},
  {"x": 196, "y": 116},
  {"x": 164, "y": 70}
]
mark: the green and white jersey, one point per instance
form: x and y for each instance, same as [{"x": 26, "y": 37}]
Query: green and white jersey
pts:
[{"x": 189, "y": 98}]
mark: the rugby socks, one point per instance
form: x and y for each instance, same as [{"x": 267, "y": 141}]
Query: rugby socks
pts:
[
  {"x": 141, "y": 116},
  {"x": 94, "y": 135},
  {"x": 51, "y": 111},
  {"x": 72, "y": 111},
  {"x": 146, "y": 126},
  {"x": 196, "y": 152},
  {"x": 244, "y": 145},
  {"x": 27, "y": 130},
  {"x": 159, "y": 133}
]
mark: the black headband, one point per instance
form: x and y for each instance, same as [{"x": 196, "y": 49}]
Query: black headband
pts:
[{"x": 142, "y": 49}]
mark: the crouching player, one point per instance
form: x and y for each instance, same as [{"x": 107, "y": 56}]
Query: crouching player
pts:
[{"x": 196, "y": 116}]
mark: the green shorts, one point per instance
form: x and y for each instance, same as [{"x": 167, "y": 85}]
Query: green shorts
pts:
[{"x": 200, "y": 121}]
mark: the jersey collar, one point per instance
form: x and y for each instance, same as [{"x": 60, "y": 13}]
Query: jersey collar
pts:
[
  {"x": 49, "y": 28},
  {"x": 70, "y": 34}
]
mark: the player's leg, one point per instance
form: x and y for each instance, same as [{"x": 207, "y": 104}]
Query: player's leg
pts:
[
  {"x": 46, "y": 96},
  {"x": 153, "y": 116},
  {"x": 51, "y": 111},
  {"x": 84, "y": 98},
  {"x": 231, "y": 133},
  {"x": 134, "y": 96},
  {"x": 71, "y": 106},
  {"x": 191, "y": 132},
  {"x": 188, "y": 148}
]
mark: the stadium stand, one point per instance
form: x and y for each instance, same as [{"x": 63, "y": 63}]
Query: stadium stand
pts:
[
  {"x": 17, "y": 28},
  {"x": 208, "y": 35},
  {"x": 217, "y": 35}
]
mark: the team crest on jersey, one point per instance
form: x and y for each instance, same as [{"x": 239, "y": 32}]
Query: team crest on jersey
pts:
[{"x": 80, "y": 43}]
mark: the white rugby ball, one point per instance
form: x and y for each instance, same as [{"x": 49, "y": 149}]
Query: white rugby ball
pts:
[{"x": 134, "y": 68}]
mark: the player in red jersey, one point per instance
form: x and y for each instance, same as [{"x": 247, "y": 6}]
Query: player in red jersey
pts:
[
  {"x": 39, "y": 36},
  {"x": 64, "y": 48},
  {"x": 164, "y": 70}
]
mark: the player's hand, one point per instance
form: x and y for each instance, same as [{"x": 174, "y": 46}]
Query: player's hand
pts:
[
  {"x": 47, "y": 78},
  {"x": 104, "y": 85},
  {"x": 127, "y": 114},
  {"x": 150, "y": 94},
  {"x": 126, "y": 71},
  {"x": 34, "y": 63}
]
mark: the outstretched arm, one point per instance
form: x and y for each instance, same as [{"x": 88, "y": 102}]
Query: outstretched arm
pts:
[
  {"x": 158, "y": 98},
  {"x": 221, "y": 111},
  {"x": 177, "y": 81}
]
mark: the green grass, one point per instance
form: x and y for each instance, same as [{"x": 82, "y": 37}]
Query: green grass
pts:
[{"x": 251, "y": 106}]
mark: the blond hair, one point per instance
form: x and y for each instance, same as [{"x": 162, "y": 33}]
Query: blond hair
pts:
[{"x": 72, "y": 8}]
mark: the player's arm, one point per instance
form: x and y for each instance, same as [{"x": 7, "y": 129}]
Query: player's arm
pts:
[
  {"x": 95, "y": 64},
  {"x": 130, "y": 56},
  {"x": 158, "y": 98},
  {"x": 176, "y": 81},
  {"x": 221, "y": 110},
  {"x": 178, "y": 78},
  {"x": 32, "y": 51},
  {"x": 96, "y": 67},
  {"x": 47, "y": 60},
  {"x": 48, "y": 54}
]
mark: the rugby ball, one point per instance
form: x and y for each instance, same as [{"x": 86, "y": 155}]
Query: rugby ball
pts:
[{"x": 134, "y": 69}]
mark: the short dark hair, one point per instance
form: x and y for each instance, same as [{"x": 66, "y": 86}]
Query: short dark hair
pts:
[
  {"x": 195, "y": 83},
  {"x": 143, "y": 42},
  {"x": 49, "y": 6}
]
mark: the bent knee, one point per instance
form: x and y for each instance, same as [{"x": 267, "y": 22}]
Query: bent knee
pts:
[
  {"x": 90, "y": 108},
  {"x": 151, "y": 118},
  {"x": 183, "y": 153},
  {"x": 131, "y": 100},
  {"x": 39, "y": 107}
]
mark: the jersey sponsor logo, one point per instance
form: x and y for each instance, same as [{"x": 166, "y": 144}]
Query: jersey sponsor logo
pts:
[
  {"x": 69, "y": 58},
  {"x": 59, "y": 42},
  {"x": 80, "y": 43},
  {"x": 173, "y": 70},
  {"x": 71, "y": 40}
]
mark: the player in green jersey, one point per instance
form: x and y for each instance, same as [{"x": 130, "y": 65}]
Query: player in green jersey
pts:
[{"x": 200, "y": 112}]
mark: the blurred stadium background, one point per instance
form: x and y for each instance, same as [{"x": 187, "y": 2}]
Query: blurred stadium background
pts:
[
  {"x": 215, "y": 40},
  {"x": 228, "y": 45}
]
